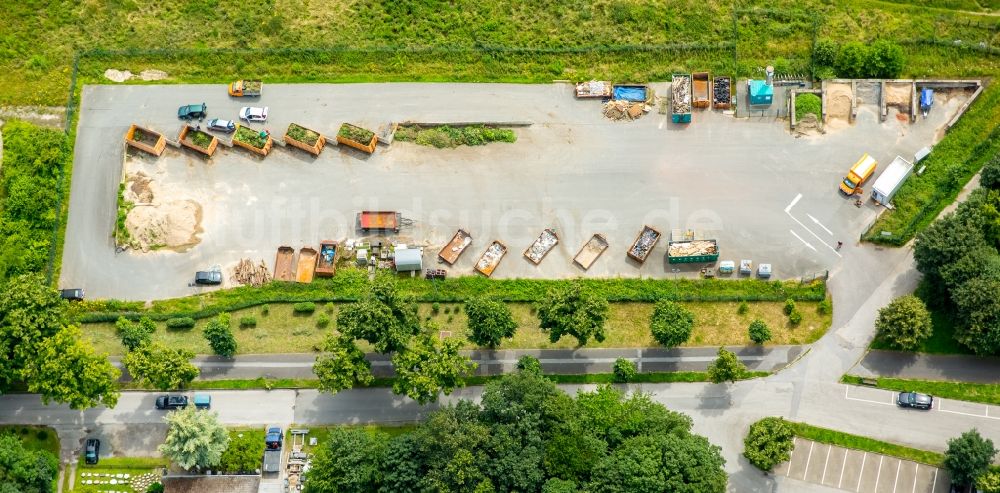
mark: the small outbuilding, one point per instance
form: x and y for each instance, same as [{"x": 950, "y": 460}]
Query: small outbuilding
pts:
[
  {"x": 408, "y": 259},
  {"x": 761, "y": 93}
]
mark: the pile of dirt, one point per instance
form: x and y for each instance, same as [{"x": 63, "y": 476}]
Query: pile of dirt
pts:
[
  {"x": 898, "y": 94},
  {"x": 152, "y": 74},
  {"x": 624, "y": 110},
  {"x": 138, "y": 189},
  {"x": 117, "y": 75},
  {"x": 838, "y": 101},
  {"x": 808, "y": 125},
  {"x": 175, "y": 225}
]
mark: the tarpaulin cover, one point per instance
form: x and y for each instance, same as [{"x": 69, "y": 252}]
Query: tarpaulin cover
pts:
[
  {"x": 630, "y": 93},
  {"x": 926, "y": 97}
]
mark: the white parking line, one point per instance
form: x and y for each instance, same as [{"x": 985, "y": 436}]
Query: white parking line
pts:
[
  {"x": 847, "y": 389},
  {"x": 819, "y": 223},
  {"x": 916, "y": 475},
  {"x": 862, "y": 473},
  {"x": 794, "y": 201},
  {"x": 842, "y": 467},
  {"x": 806, "y": 243},
  {"x": 934, "y": 485},
  {"x": 788, "y": 210},
  {"x": 808, "y": 460},
  {"x": 826, "y": 464},
  {"x": 879, "y": 474},
  {"x": 895, "y": 482}
]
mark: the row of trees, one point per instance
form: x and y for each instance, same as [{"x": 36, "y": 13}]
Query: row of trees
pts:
[
  {"x": 881, "y": 59},
  {"x": 41, "y": 351},
  {"x": 961, "y": 265},
  {"x": 23, "y": 470},
  {"x": 528, "y": 436}
]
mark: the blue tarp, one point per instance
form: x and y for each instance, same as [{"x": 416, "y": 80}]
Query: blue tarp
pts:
[
  {"x": 629, "y": 93},
  {"x": 926, "y": 98}
]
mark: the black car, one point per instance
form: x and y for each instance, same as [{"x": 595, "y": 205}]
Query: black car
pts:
[
  {"x": 273, "y": 438},
  {"x": 92, "y": 451},
  {"x": 192, "y": 111},
  {"x": 171, "y": 402},
  {"x": 208, "y": 277},
  {"x": 915, "y": 400},
  {"x": 75, "y": 294}
]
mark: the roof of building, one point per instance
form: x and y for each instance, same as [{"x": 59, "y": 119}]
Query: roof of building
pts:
[
  {"x": 760, "y": 88},
  {"x": 211, "y": 484}
]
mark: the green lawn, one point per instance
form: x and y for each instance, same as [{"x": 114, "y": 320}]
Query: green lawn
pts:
[
  {"x": 962, "y": 391},
  {"x": 321, "y": 433},
  {"x": 35, "y": 437},
  {"x": 856, "y": 442},
  {"x": 133, "y": 466},
  {"x": 283, "y": 331}
]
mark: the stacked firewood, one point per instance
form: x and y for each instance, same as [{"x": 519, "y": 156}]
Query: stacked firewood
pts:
[{"x": 250, "y": 274}]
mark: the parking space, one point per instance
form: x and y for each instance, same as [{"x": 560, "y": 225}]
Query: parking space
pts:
[
  {"x": 572, "y": 170},
  {"x": 858, "y": 471},
  {"x": 888, "y": 398}
]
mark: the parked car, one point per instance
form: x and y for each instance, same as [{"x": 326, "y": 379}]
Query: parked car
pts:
[
  {"x": 75, "y": 294},
  {"x": 915, "y": 400},
  {"x": 220, "y": 125},
  {"x": 92, "y": 451},
  {"x": 253, "y": 113},
  {"x": 208, "y": 277},
  {"x": 192, "y": 111},
  {"x": 273, "y": 439},
  {"x": 171, "y": 402}
]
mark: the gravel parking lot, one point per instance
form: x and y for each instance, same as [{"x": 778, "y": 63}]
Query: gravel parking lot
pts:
[{"x": 764, "y": 194}]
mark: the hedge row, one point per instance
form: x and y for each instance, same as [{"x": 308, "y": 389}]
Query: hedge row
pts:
[{"x": 350, "y": 285}]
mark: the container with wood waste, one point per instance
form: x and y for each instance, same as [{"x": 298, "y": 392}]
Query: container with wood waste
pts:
[
  {"x": 591, "y": 250},
  {"x": 491, "y": 258},
  {"x": 644, "y": 243},
  {"x": 686, "y": 252},
  {"x": 541, "y": 246},
  {"x": 450, "y": 253},
  {"x": 145, "y": 139},
  {"x": 306, "y": 265},
  {"x": 680, "y": 98},
  {"x": 284, "y": 264}
]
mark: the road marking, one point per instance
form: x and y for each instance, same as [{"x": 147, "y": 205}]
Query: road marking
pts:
[
  {"x": 803, "y": 241},
  {"x": 879, "y": 474},
  {"x": 842, "y": 467},
  {"x": 899, "y": 465},
  {"x": 808, "y": 460},
  {"x": 826, "y": 464},
  {"x": 866, "y": 400},
  {"x": 791, "y": 454},
  {"x": 862, "y": 473},
  {"x": 968, "y": 414},
  {"x": 794, "y": 201},
  {"x": 832, "y": 249},
  {"x": 934, "y": 485},
  {"x": 819, "y": 224},
  {"x": 916, "y": 476}
]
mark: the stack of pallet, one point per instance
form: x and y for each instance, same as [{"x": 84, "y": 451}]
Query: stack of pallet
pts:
[{"x": 249, "y": 274}]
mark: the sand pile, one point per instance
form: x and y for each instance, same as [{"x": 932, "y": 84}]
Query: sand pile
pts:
[
  {"x": 152, "y": 74},
  {"x": 117, "y": 75},
  {"x": 808, "y": 125},
  {"x": 899, "y": 95},
  {"x": 138, "y": 189},
  {"x": 838, "y": 100},
  {"x": 175, "y": 225}
]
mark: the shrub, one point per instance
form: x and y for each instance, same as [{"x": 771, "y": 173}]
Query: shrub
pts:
[
  {"x": 323, "y": 321},
  {"x": 671, "y": 324},
  {"x": 155, "y": 488},
  {"x": 329, "y": 307},
  {"x": 789, "y": 306},
  {"x": 808, "y": 104},
  {"x": 743, "y": 308},
  {"x": 304, "y": 307},
  {"x": 447, "y": 310},
  {"x": 220, "y": 337},
  {"x": 435, "y": 308},
  {"x": 248, "y": 321},
  {"x": 42, "y": 435},
  {"x": 180, "y": 323},
  {"x": 624, "y": 371},
  {"x": 825, "y": 53},
  {"x": 490, "y": 322},
  {"x": 795, "y": 318},
  {"x": 904, "y": 323},
  {"x": 529, "y": 364},
  {"x": 824, "y": 307},
  {"x": 265, "y": 309},
  {"x": 768, "y": 443},
  {"x": 135, "y": 334},
  {"x": 759, "y": 331},
  {"x": 989, "y": 177}
]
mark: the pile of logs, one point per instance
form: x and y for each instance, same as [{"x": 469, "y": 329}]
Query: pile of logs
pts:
[{"x": 249, "y": 274}]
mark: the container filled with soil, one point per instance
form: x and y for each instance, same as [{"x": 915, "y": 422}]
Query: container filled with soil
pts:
[
  {"x": 359, "y": 138},
  {"x": 303, "y": 138},
  {"x": 198, "y": 140}
]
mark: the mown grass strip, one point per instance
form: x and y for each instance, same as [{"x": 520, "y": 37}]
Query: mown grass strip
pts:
[
  {"x": 304, "y": 383},
  {"x": 986, "y": 393},
  {"x": 856, "y": 442}
]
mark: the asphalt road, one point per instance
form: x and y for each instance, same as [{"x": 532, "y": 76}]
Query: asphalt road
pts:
[
  {"x": 562, "y": 361},
  {"x": 572, "y": 170},
  {"x": 899, "y": 364}
]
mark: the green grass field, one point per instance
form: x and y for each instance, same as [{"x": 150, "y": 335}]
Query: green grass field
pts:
[
  {"x": 283, "y": 331},
  {"x": 35, "y": 437}
]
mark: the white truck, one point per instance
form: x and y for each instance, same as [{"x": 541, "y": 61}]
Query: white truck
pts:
[{"x": 891, "y": 180}]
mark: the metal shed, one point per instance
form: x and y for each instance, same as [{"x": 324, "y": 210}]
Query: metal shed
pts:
[
  {"x": 761, "y": 93},
  {"x": 408, "y": 259}
]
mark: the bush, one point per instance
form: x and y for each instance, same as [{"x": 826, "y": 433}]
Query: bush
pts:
[
  {"x": 265, "y": 309},
  {"x": 808, "y": 104},
  {"x": 135, "y": 334},
  {"x": 624, "y": 371},
  {"x": 795, "y": 318},
  {"x": 155, "y": 488},
  {"x": 329, "y": 307},
  {"x": 220, "y": 337},
  {"x": 824, "y": 54},
  {"x": 42, "y": 435},
  {"x": 824, "y": 307},
  {"x": 435, "y": 308},
  {"x": 304, "y": 307},
  {"x": 180, "y": 323},
  {"x": 789, "y": 306},
  {"x": 489, "y": 321},
  {"x": 248, "y": 321},
  {"x": 529, "y": 364},
  {"x": 323, "y": 321},
  {"x": 768, "y": 443},
  {"x": 759, "y": 331},
  {"x": 743, "y": 308},
  {"x": 671, "y": 324}
]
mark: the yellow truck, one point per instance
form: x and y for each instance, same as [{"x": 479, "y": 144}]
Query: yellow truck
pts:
[
  {"x": 246, "y": 88},
  {"x": 861, "y": 171}
]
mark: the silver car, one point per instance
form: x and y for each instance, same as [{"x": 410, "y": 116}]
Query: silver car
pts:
[{"x": 253, "y": 113}]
